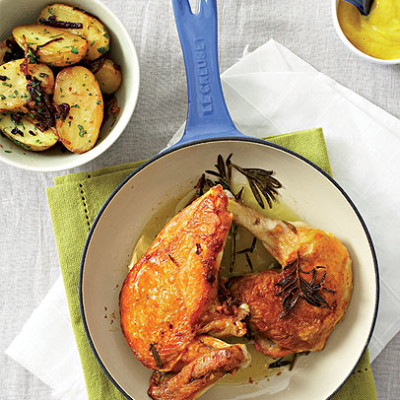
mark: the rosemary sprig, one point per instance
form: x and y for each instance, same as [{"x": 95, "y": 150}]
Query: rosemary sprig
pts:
[
  {"x": 293, "y": 286},
  {"x": 223, "y": 173},
  {"x": 262, "y": 184},
  {"x": 247, "y": 253}
]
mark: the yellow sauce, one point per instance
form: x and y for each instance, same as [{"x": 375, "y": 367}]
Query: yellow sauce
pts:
[
  {"x": 377, "y": 34},
  {"x": 261, "y": 259}
]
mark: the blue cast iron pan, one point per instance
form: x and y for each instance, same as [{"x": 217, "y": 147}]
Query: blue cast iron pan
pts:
[{"x": 210, "y": 131}]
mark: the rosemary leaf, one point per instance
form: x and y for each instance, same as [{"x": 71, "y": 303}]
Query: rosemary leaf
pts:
[
  {"x": 238, "y": 195},
  {"x": 221, "y": 166},
  {"x": 233, "y": 256},
  {"x": 261, "y": 182},
  {"x": 248, "y": 259},
  {"x": 155, "y": 354},
  {"x": 293, "y": 286},
  {"x": 279, "y": 363},
  {"x": 256, "y": 193}
]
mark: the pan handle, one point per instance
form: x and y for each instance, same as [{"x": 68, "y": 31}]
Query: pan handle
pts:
[{"x": 207, "y": 115}]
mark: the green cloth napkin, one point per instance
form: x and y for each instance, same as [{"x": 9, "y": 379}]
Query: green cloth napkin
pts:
[{"x": 74, "y": 202}]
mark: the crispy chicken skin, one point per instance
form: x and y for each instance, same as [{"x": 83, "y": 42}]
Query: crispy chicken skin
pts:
[
  {"x": 170, "y": 296},
  {"x": 207, "y": 360},
  {"x": 306, "y": 327}
]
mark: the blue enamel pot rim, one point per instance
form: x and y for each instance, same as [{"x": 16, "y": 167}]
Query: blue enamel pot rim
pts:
[{"x": 199, "y": 142}]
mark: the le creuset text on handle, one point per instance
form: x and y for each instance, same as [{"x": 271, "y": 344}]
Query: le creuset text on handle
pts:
[{"x": 207, "y": 115}]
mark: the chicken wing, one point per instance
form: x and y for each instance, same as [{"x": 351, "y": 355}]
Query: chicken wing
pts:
[
  {"x": 170, "y": 297},
  {"x": 207, "y": 359},
  {"x": 296, "y": 309}
]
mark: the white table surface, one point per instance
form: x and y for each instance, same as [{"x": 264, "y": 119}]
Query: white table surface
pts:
[{"x": 28, "y": 257}]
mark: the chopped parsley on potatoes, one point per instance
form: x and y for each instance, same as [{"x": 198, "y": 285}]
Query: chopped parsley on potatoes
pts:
[
  {"x": 14, "y": 90},
  {"x": 79, "y": 128},
  {"x": 24, "y": 132},
  {"x": 52, "y": 78},
  {"x": 54, "y": 46},
  {"x": 91, "y": 28}
]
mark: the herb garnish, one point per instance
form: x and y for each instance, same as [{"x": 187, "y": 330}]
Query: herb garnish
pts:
[
  {"x": 261, "y": 182},
  {"x": 233, "y": 255},
  {"x": 280, "y": 362},
  {"x": 52, "y": 21},
  {"x": 39, "y": 104},
  {"x": 14, "y": 95},
  {"x": 283, "y": 362},
  {"x": 293, "y": 286},
  {"x": 155, "y": 354},
  {"x": 31, "y": 56},
  {"x": 56, "y": 39},
  {"x": 102, "y": 50},
  {"x": 247, "y": 251},
  {"x": 82, "y": 131}
]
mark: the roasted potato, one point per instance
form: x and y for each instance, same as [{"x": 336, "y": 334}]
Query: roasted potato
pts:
[
  {"x": 77, "y": 87},
  {"x": 79, "y": 22},
  {"x": 14, "y": 92},
  {"x": 22, "y": 130},
  {"x": 52, "y": 46},
  {"x": 109, "y": 76}
]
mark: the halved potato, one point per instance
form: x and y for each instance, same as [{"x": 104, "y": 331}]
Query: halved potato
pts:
[
  {"x": 92, "y": 29},
  {"x": 14, "y": 92},
  {"x": 52, "y": 46},
  {"x": 80, "y": 129},
  {"x": 109, "y": 76},
  {"x": 24, "y": 132}
]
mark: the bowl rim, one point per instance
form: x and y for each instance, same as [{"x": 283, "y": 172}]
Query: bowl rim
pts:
[
  {"x": 201, "y": 141},
  {"x": 125, "y": 115},
  {"x": 351, "y": 46}
]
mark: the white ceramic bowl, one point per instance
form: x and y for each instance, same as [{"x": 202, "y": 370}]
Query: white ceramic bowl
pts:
[
  {"x": 19, "y": 12},
  {"x": 350, "y": 45},
  {"x": 315, "y": 197}
]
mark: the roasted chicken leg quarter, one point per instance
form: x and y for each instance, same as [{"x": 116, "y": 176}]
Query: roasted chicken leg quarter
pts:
[
  {"x": 168, "y": 303},
  {"x": 296, "y": 309}
]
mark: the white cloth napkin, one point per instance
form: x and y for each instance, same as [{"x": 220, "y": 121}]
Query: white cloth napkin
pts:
[{"x": 270, "y": 91}]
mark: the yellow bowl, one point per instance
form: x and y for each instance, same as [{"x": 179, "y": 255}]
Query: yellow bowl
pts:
[{"x": 350, "y": 45}]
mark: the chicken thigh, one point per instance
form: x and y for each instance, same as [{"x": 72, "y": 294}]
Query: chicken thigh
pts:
[
  {"x": 168, "y": 303},
  {"x": 296, "y": 309}
]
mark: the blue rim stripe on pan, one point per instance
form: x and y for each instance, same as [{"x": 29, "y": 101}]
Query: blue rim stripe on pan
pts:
[{"x": 238, "y": 139}]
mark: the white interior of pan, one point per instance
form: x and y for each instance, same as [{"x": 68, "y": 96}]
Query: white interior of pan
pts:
[{"x": 317, "y": 200}]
